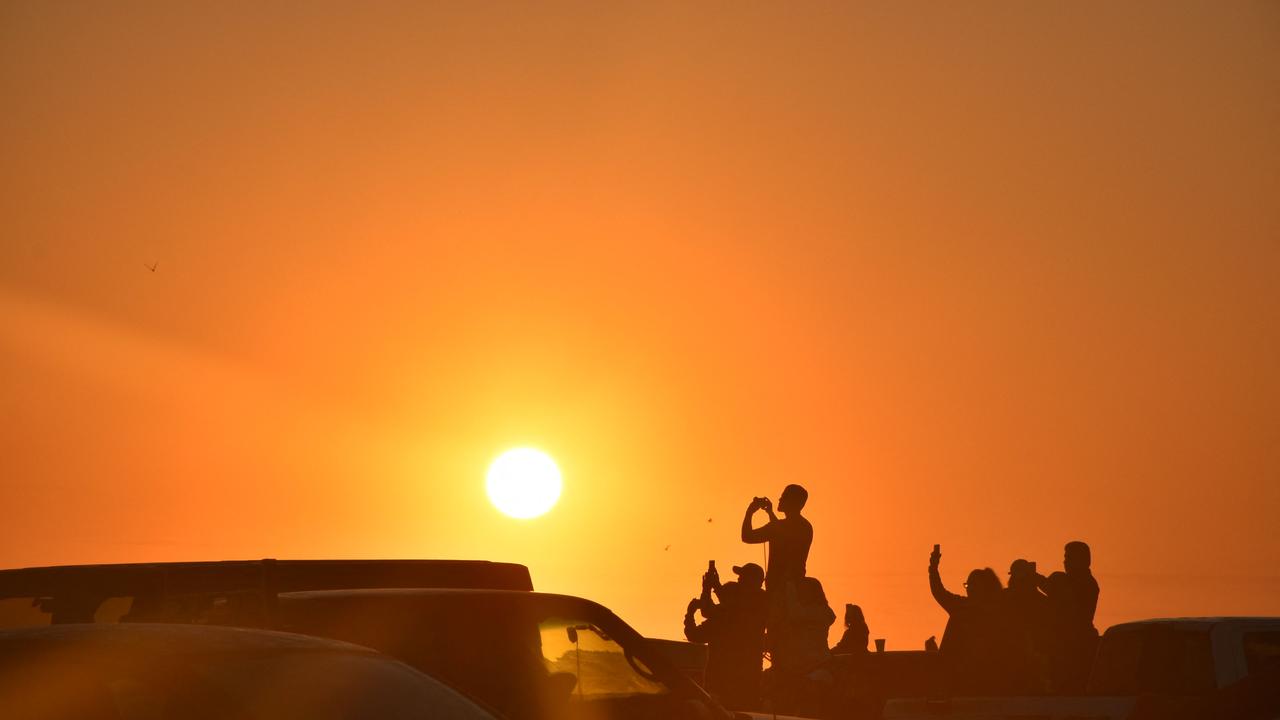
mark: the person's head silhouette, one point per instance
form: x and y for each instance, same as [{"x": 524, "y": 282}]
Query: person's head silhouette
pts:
[
  {"x": 853, "y": 616},
  {"x": 750, "y": 576},
  {"x": 1023, "y": 575},
  {"x": 1076, "y": 557},
  {"x": 983, "y": 584},
  {"x": 792, "y": 499}
]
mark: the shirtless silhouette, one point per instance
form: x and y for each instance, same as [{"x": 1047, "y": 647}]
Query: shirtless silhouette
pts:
[{"x": 789, "y": 537}]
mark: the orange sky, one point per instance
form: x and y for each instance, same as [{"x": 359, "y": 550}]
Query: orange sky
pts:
[{"x": 996, "y": 276}]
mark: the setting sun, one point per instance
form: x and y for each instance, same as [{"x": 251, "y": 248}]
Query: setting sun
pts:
[{"x": 523, "y": 483}]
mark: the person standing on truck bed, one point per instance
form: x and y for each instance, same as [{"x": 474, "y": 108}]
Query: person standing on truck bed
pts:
[
  {"x": 789, "y": 539},
  {"x": 1072, "y": 601},
  {"x": 980, "y": 649},
  {"x": 1029, "y": 612},
  {"x": 734, "y": 634}
]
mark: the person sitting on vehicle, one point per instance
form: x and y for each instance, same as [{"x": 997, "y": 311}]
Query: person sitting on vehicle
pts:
[
  {"x": 734, "y": 634},
  {"x": 856, "y": 633},
  {"x": 809, "y": 619},
  {"x": 979, "y": 646},
  {"x": 1072, "y": 600},
  {"x": 800, "y": 679}
]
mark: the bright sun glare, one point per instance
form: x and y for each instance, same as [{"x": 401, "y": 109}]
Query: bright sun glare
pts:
[{"x": 523, "y": 483}]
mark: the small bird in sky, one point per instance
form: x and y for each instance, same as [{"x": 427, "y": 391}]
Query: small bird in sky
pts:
[
  {"x": 152, "y": 267},
  {"x": 708, "y": 519},
  {"x": 666, "y": 548}
]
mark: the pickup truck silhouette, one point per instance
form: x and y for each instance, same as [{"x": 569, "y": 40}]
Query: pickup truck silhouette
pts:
[{"x": 1213, "y": 667}]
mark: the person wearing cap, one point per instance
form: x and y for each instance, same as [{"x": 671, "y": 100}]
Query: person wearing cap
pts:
[{"x": 733, "y": 631}]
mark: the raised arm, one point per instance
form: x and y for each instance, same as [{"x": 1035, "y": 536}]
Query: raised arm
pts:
[
  {"x": 694, "y": 632},
  {"x": 706, "y": 604},
  {"x": 760, "y": 534},
  {"x": 947, "y": 599}
]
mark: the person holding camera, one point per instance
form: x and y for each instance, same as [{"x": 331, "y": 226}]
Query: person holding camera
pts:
[
  {"x": 733, "y": 631},
  {"x": 788, "y": 537}
]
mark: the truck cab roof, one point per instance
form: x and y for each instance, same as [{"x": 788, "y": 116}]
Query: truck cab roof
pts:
[
  {"x": 1198, "y": 654},
  {"x": 1202, "y": 621},
  {"x": 193, "y": 590}
]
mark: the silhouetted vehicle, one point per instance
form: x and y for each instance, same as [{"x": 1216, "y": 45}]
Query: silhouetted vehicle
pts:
[
  {"x": 1175, "y": 668},
  {"x": 531, "y": 656},
  {"x": 184, "y": 672},
  {"x": 527, "y": 654},
  {"x": 865, "y": 681}
]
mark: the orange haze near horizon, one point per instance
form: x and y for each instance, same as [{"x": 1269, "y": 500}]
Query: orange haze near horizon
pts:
[{"x": 996, "y": 277}]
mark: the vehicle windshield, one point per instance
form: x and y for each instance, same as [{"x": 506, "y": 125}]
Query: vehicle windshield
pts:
[{"x": 597, "y": 665}]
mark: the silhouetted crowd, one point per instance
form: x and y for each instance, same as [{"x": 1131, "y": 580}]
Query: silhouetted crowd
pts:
[{"x": 1034, "y": 635}]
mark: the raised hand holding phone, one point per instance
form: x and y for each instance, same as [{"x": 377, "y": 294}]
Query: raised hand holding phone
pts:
[{"x": 711, "y": 578}]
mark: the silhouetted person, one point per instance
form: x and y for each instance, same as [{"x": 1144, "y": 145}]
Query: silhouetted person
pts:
[
  {"x": 1028, "y": 610},
  {"x": 1027, "y": 604},
  {"x": 734, "y": 634},
  {"x": 856, "y": 633},
  {"x": 789, "y": 539},
  {"x": 979, "y": 647},
  {"x": 801, "y": 652},
  {"x": 809, "y": 619},
  {"x": 1072, "y": 600}
]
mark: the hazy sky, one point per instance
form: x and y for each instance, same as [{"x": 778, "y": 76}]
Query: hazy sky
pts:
[{"x": 992, "y": 275}]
